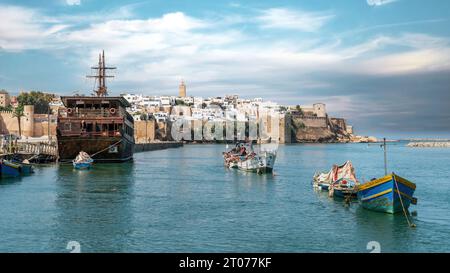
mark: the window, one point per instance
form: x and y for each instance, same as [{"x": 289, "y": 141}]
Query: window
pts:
[
  {"x": 67, "y": 126},
  {"x": 89, "y": 127}
]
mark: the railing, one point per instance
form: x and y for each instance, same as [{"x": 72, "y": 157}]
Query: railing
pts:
[
  {"x": 91, "y": 113},
  {"x": 32, "y": 148},
  {"x": 85, "y": 133}
]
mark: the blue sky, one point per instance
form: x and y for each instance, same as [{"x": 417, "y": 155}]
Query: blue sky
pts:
[{"x": 382, "y": 64}]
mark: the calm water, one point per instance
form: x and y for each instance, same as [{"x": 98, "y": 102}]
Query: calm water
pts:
[{"x": 184, "y": 200}]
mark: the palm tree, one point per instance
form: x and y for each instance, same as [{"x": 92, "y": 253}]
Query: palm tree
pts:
[{"x": 18, "y": 113}]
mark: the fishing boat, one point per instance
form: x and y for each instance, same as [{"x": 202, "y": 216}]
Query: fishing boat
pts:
[
  {"x": 344, "y": 188},
  {"x": 26, "y": 168},
  {"x": 244, "y": 157},
  {"x": 390, "y": 194},
  {"x": 82, "y": 161},
  {"x": 338, "y": 176},
  {"x": 9, "y": 169}
]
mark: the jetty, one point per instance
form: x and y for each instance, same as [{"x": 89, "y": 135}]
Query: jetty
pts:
[
  {"x": 153, "y": 146},
  {"x": 429, "y": 144},
  {"x": 36, "y": 152}
]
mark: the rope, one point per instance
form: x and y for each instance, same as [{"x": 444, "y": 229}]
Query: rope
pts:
[
  {"x": 94, "y": 154},
  {"x": 68, "y": 161},
  {"x": 401, "y": 202}
]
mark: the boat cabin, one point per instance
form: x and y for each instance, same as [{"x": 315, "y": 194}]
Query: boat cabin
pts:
[{"x": 95, "y": 116}]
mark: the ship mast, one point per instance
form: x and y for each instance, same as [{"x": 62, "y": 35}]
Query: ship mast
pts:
[{"x": 101, "y": 75}]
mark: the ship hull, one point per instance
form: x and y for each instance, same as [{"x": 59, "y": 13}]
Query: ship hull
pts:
[{"x": 101, "y": 149}]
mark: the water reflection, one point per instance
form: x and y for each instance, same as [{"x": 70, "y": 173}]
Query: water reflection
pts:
[{"x": 93, "y": 207}]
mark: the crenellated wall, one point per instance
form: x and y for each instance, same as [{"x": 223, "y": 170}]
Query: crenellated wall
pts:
[{"x": 32, "y": 125}]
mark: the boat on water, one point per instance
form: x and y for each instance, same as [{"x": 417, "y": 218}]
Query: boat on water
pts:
[
  {"x": 390, "y": 194},
  {"x": 341, "y": 177},
  {"x": 344, "y": 188},
  {"x": 12, "y": 168},
  {"x": 244, "y": 157},
  {"x": 99, "y": 125},
  {"x": 82, "y": 161},
  {"x": 9, "y": 169}
]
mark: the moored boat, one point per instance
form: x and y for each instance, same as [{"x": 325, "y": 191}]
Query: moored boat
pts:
[
  {"x": 390, "y": 194},
  {"x": 26, "y": 168},
  {"x": 9, "y": 169},
  {"x": 82, "y": 161},
  {"x": 245, "y": 158},
  {"x": 99, "y": 125},
  {"x": 337, "y": 174},
  {"x": 344, "y": 188}
]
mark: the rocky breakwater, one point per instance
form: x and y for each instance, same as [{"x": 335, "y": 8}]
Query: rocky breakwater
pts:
[
  {"x": 434, "y": 144},
  {"x": 363, "y": 139}
]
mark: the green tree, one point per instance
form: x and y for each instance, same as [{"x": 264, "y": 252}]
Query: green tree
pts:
[
  {"x": 18, "y": 113},
  {"x": 39, "y": 99},
  {"x": 7, "y": 108},
  {"x": 179, "y": 102}
]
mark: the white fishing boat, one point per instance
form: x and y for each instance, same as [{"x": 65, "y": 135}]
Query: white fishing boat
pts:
[{"x": 244, "y": 157}]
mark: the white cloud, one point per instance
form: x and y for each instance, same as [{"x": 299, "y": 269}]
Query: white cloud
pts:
[
  {"x": 154, "y": 54},
  {"x": 379, "y": 2},
  {"x": 24, "y": 28},
  {"x": 293, "y": 19},
  {"x": 417, "y": 61},
  {"x": 73, "y": 2}
]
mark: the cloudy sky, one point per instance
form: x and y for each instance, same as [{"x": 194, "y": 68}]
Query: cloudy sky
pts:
[{"x": 382, "y": 64}]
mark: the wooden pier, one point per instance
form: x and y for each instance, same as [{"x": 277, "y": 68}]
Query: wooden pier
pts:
[{"x": 36, "y": 152}]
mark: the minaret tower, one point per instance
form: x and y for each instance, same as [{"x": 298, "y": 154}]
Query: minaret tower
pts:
[{"x": 182, "y": 90}]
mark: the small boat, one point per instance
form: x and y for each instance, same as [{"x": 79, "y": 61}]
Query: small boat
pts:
[
  {"x": 25, "y": 167},
  {"x": 9, "y": 169},
  {"x": 344, "y": 188},
  {"x": 245, "y": 158},
  {"x": 82, "y": 161},
  {"x": 337, "y": 174},
  {"x": 390, "y": 194}
]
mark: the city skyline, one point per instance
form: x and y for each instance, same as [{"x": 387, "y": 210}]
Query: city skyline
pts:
[{"x": 383, "y": 65}]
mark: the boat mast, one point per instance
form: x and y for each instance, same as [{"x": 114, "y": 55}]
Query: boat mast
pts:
[
  {"x": 385, "y": 156},
  {"x": 102, "y": 90}
]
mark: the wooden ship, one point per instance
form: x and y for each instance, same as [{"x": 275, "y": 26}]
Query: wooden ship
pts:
[{"x": 98, "y": 125}]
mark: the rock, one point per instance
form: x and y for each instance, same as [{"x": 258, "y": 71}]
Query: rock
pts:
[{"x": 434, "y": 144}]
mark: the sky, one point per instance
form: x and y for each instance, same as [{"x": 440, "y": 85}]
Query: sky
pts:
[{"x": 384, "y": 65}]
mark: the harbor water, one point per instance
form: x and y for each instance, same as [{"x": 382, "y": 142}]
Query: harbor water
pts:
[{"x": 184, "y": 200}]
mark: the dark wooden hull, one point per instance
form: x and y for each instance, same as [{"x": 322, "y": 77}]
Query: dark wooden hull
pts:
[{"x": 70, "y": 146}]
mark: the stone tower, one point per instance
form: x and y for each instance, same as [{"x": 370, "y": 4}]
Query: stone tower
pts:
[
  {"x": 182, "y": 90},
  {"x": 27, "y": 121},
  {"x": 320, "y": 110}
]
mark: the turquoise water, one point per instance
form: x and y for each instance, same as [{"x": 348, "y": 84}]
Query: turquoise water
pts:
[{"x": 184, "y": 200}]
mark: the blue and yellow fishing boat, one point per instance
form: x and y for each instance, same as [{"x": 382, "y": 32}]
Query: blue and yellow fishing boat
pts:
[
  {"x": 9, "y": 169},
  {"x": 389, "y": 194}
]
